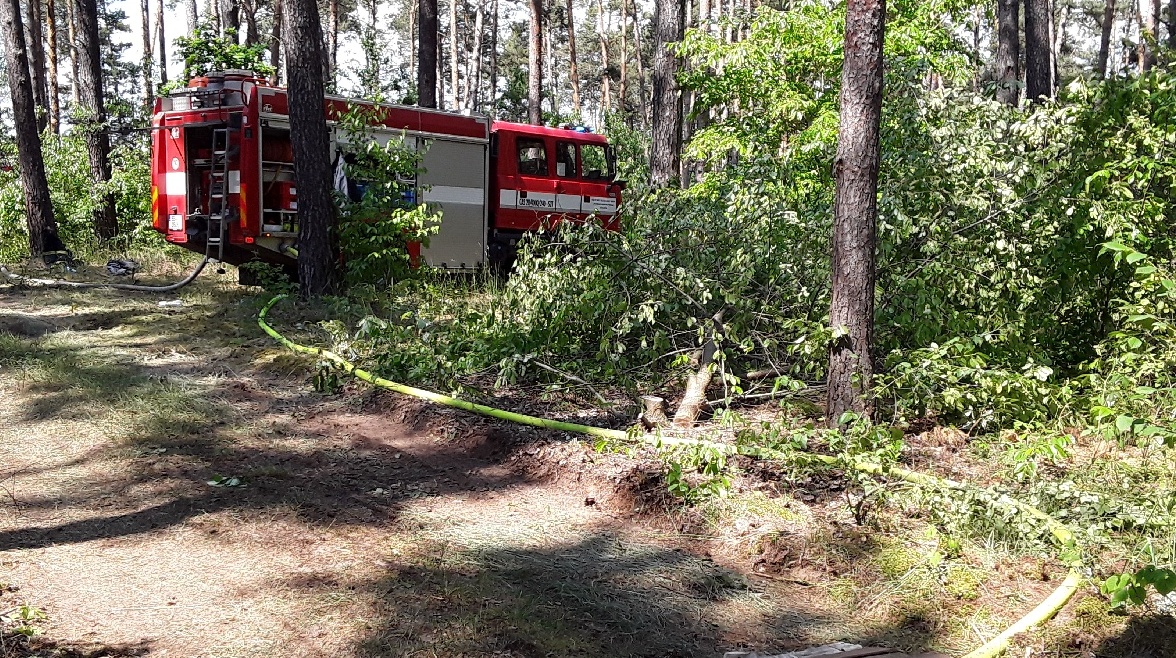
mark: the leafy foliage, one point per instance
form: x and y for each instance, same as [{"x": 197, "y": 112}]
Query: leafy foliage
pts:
[
  {"x": 376, "y": 227},
  {"x": 75, "y": 197},
  {"x": 206, "y": 50}
]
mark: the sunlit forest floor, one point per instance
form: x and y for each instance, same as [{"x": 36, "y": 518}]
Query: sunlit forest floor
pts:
[{"x": 172, "y": 484}]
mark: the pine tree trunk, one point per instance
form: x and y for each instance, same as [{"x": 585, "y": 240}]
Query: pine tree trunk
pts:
[
  {"x": 161, "y": 42},
  {"x": 372, "y": 53},
  {"x": 573, "y": 66},
  {"x": 667, "y": 103},
  {"x": 535, "y": 65},
  {"x": 276, "y": 39},
  {"x": 605, "y": 78},
  {"x": 454, "y": 77},
  {"x": 1149, "y": 33},
  {"x": 54, "y": 88},
  {"x": 332, "y": 43},
  {"x": 232, "y": 19},
  {"x": 855, "y": 212},
  {"x": 36, "y": 56},
  {"x": 1104, "y": 43},
  {"x": 1037, "y": 50},
  {"x": 1058, "y": 35},
  {"x": 427, "y": 53},
  {"x": 550, "y": 76},
  {"x": 148, "y": 53},
  {"x": 1172, "y": 24},
  {"x": 493, "y": 78},
  {"x": 1008, "y": 51},
  {"x": 38, "y": 207},
  {"x": 92, "y": 119},
  {"x": 193, "y": 15},
  {"x": 317, "y": 247},
  {"x": 252, "y": 36},
  {"x": 72, "y": 19},
  {"x": 623, "y": 86},
  {"x": 474, "y": 84},
  {"x": 641, "y": 91},
  {"x": 412, "y": 37}
]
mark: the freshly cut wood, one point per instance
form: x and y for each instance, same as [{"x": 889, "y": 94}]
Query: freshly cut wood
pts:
[
  {"x": 653, "y": 412},
  {"x": 694, "y": 399}
]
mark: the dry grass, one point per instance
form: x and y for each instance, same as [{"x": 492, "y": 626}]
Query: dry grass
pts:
[{"x": 374, "y": 529}]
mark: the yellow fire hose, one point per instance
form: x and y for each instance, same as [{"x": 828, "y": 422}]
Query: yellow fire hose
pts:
[{"x": 994, "y": 647}]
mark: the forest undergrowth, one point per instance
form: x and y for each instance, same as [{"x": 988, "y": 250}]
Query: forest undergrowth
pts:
[{"x": 1025, "y": 305}]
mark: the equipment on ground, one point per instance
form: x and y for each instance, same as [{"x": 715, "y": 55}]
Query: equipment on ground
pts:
[{"x": 223, "y": 184}]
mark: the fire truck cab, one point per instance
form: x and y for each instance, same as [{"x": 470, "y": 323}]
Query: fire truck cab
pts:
[{"x": 223, "y": 173}]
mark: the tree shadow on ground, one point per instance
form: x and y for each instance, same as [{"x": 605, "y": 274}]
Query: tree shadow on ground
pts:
[
  {"x": 1146, "y": 636},
  {"x": 594, "y": 595},
  {"x": 585, "y": 593}
]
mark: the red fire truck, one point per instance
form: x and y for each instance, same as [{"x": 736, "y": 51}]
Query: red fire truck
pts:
[{"x": 223, "y": 173}]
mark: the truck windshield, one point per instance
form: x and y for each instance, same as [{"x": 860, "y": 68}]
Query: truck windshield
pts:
[{"x": 597, "y": 162}]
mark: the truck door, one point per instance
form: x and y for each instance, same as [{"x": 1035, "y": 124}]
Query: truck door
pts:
[
  {"x": 530, "y": 191},
  {"x": 169, "y": 180},
  {"x": 597, "y": 171},
  {"x": 567, "y": 180}
]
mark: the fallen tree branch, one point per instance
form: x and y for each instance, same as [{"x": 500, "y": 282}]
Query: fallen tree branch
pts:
[{"x": 1062, "y": 535}]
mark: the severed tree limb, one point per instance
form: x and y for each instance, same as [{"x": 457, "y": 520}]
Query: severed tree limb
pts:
[{"x": 695, "y": 396}]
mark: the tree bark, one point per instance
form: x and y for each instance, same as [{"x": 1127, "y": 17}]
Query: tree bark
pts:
[
  {"x": 535, "y": 65},
  {"x": 231, "y": 18},
  {"x": 1058, "y": 37},
  {"x": 1037, "y": 50},
  {"x": 38, "y": 207},
  {"x": 474, "y": 84},
  {"x": 161, "y": 42},
  {"x": 427, "y": 53},
  {"x": 641, "y": 91},
  {"x": 37, "y": 62},
  {"x": 1172, "y": 24},
  {"x": 694, "y": 398},
  {"x": 1104, "y": 44},
  {"x": 148, "y": 53},
  {"x": 276, "y": 39},
  {"x": 92, "y": 119},
  {"x": 54, "y": 89},
  {"x": 72, "y": 19},
  {"x": 1008, "y": 51},
  {"x": 252, "y": 36},
  {"x": 605, "y": 78},
  {"x": 454, "y": 69},
  {"x": 317, "y": 246},
  {"x": 574, "y": 67},
  {"x": 493, "y": 78},
  {"x": 623, "y": 83},
  {"x": 1149, "y": 33},
  {"x": 193, "y": 15},
  {"x": 667, "y": 103},
  {"x": 855, "y": 212},
  {"x": 332, "y": 43}
]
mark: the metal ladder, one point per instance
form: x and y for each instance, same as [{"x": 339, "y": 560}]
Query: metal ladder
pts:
[{"x": 218, "y": 195}]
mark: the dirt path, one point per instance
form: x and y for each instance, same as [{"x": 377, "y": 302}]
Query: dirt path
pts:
[{"x": 359, "y": 524}]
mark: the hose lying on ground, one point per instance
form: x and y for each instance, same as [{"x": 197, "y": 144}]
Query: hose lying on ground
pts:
[
  {"x": 57, "y": 283},
  {"x": 1062, "y": 535}
]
